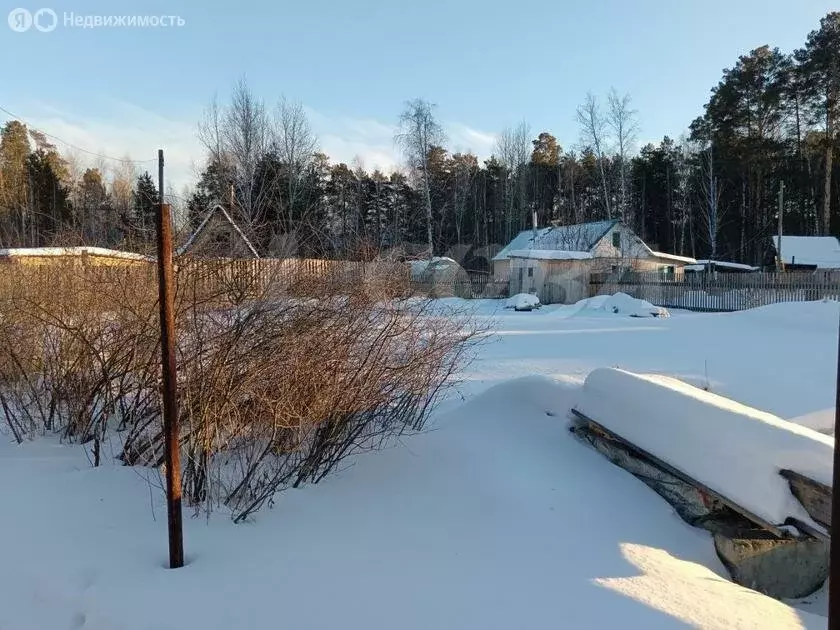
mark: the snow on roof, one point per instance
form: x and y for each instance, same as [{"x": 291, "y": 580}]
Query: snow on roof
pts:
[
  {"x": 702, "y": 264},
  {"x": 673, "y": 257},
  {"x": 731, "y": 448},
  {"x": 580, "y": 237},
  {"x": 523, "y": 240},
  {"x": 20, "y": 252},
  {"x": 436, "y": 264},
  {"x": 821, "y": 251},
  {"x": 549, "y": 254}
]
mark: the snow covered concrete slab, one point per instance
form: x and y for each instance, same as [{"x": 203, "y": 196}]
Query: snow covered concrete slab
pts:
[{"x": 733, "y": 449}]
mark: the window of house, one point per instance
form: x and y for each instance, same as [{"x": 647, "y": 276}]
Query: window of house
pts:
[
  {"x": 530, "y": 272},
  {"x": 616, "y": 240}
]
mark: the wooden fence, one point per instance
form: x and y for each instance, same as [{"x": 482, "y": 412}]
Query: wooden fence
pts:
[{"x": 720, "y": 292}]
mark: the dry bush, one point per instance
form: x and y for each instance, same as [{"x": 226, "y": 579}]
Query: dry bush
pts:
[
  {"x": 78, "y": 346},
  {"x": 278, "y": 388},
  {"x": 281, "y": 375}
]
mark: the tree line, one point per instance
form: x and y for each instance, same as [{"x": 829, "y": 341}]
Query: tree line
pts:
[{"x": 772, "y": 120}]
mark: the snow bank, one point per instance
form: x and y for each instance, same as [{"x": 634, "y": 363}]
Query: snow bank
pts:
[
  {"x": 734, "y": 449},
  {"x": 523, "y": 302},
  {"x": 499, "y": 517}
]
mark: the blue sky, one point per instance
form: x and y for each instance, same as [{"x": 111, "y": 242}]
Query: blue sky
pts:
[{"x": 352, "y": 64}]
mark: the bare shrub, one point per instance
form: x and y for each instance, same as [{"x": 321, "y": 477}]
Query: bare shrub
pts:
[
  {"x": 285, "y": 370},
  {"x": 280, "y": 387},
  {"x": 78, "y": 346}
]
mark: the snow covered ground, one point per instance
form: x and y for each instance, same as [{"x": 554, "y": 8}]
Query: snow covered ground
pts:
[{"x": 495, "y": 518}]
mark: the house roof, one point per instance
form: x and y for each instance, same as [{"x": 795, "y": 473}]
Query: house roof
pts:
[
  {"x": 674, "y": 257},
  {"x": 216, "y": 208},
  {"x": 549, "y": 254},
  {"x": 20, "y": 252},
  {"x": 580, "y": 237},
  {"x": 702, "y": 264},
  {"x": 820, "y": 251}
]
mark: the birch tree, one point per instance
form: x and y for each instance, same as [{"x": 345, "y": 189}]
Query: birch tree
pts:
[
  {"x": 418, "y": 132},
  {"x": 622, "y": 120},
  {"x": 295, "y": 145},
  {"x": 710, "y": 193},
  {"x": 593, "y": 133},
  {"x": 513, "y": 149}
]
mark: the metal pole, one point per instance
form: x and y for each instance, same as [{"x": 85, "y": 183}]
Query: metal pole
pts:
[{"x": 170, "y": 392}]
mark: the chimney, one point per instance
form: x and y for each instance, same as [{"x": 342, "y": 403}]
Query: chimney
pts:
[{"x": 535, "y": 225}]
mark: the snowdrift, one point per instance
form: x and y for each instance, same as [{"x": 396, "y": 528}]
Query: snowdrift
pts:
[{"x": 735, "y": 450}]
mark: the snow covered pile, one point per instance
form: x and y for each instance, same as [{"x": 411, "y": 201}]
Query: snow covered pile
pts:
[
  {"x": 734, "y": 449},
  {"x": 523, "y": 302},
  {"x": 623, "y": 304}
]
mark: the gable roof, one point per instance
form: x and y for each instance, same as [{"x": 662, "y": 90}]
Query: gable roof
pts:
[
  {"x": 580, "y": 237},
  {"x": 216, "y": 208},
  {"x": 820, "y": 251}
]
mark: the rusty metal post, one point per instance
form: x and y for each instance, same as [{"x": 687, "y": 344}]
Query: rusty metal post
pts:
[
  {"x": 834, "y": 553},
  {"x": 170, "y": 391}
]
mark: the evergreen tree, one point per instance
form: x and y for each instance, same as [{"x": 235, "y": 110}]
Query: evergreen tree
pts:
[
  {"x": 146, "y": 204},
  {"x": 51, "y": 207},
  {"x": 819, "y": 78}
]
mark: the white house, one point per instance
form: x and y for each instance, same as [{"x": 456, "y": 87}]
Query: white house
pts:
[{"x": 556, "y": 262}]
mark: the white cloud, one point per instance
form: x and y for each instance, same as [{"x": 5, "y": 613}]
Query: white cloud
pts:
[
  {"x": 345, "y": 138},
  {"x": 123, "y": 130}
]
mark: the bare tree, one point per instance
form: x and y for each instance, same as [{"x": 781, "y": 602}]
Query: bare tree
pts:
[
  {"x": 711, "y": 212},
  {"x": 513, "y": 149},
  {"x": 237, "y": 137},
  {"x": 418, "y": 132},
  {"x": 294, "y": 143},
  {"x": 622, "y": 119},
  {"x": 593, "y": 133}
]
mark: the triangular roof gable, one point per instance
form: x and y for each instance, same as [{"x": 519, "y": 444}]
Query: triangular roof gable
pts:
[{"x": 203, "y": 225}]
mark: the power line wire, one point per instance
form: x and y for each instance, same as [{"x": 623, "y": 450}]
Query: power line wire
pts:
[{"x": 70, "y": 144}]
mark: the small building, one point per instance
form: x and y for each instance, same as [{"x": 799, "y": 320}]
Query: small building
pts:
[
  {"x": 809, "y": 253},
  {"x": 557, "y": 262},
  {"x": 440, "y": 277},
  {"x": 719, "y": 266}
]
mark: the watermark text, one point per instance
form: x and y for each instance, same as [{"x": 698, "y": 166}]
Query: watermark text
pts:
[{"x": 46, "y": 20}]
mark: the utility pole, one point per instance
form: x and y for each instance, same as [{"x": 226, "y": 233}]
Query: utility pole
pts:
[
  {"x": 781, "y": 215},
  {"x": 170, "y": 392}
]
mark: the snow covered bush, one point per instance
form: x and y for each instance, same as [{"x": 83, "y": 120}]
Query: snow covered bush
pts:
[{"x": 280, "y": 376}]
